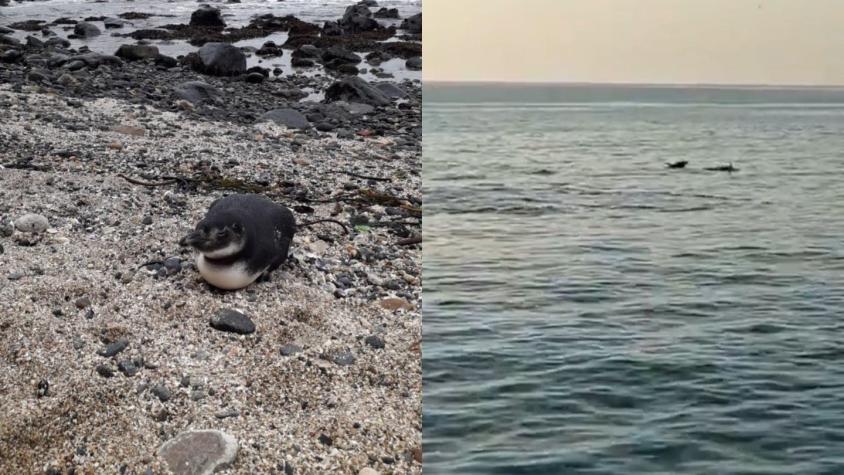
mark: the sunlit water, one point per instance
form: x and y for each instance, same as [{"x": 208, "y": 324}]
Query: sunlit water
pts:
[
  {"x": 179, "y": 12},
  {"x": 589, "y": 311}
]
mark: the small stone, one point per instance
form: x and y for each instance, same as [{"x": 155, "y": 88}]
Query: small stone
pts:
[
  {"x": 43, "y": 388},
  {"x": 161, "y": 392},
  {"x": 230, "y": 412},
  {"x": 82, "y": 302},
  {"x": 374, "y": 341},
  {"x": 78, "y": 343},
  {"x": 229, "y": 320},
  {"x": 290, "y": 349},
  {"x": 15, "y": 275},
  {"x": 105, "y": 371},
  {"x": 128, "y": 368},
  {"x": 326, "y": 440},
  {"x": 199, "y": 452},
  {"x": 147, "y": 220},
  {"x": 114, "y": 348},
  {"x": 32, "y": 223},
  {"x": 344, "y": 359},
  {"x": 173, "y": 265}
]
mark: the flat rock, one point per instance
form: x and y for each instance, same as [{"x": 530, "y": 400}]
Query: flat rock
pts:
[
  {"x": 114, "y": 348},
  {"x": 137, "y": 52},
  {"x": 390, "y": 90},
  {"x": 228, "y": 320},
  {"x": 196, "y": 92},
  {"x": 355, "y": 89},
  {"x": 222, "y": 59},
  {"x": 86, "y": 30},
  {"x": 32, "y": 223},
  {"x": 290, "y": 349},
  {"x": 289, "y": 118},
  {"x": 199, "y": 452}
]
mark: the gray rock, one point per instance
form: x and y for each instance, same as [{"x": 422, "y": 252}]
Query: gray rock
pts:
[
  {"x": 289, "y": 118},
  {"x": 197, "y": 92},
  {"x": 222, "y": 59},
  {"x": 229, "y": 320},
  {"x": 173, "y": 265},
  {"x": 110, "y": 23},
  {"x": 356, "y": 108},
  {"x": 226, "y": 413},
  {"x": 355, "y": 89},
  {"x": 33, "y": 42},
  {"x": 86, "y": 30},
  {"x": 254, "y": 78},
  {"x": 358, "y": 18},
  {"x": 385, "y": 12},
  {"x": 290, "y": 349},
  {"x": 114, "y": 348},
  {"x": 200, "y": 452},
  {"x": 128, "y": 368},
  {"x": 161, "y": 392},
  {"x": 339, "y": 55},
  {"x": 413, "y": 24},
  {"x": 32, "y": 223},
  {"x": 137, "y": 52},
  {"x": 391, "y": 90},
  {"x": 207, "y": 16},
  {"x": 105, "y": 371},
  {"x": 374, "y": 341},
  {"x": 414, "y": 64},
  {"x": 345, "y": 358}
]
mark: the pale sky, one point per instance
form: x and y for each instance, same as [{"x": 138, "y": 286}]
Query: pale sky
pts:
[{"x": 794, "y": 42}]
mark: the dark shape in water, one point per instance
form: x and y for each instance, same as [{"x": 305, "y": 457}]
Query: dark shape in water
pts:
[
  {"x": 680, "y": 164},
  {"x": 723, "y": 168}
]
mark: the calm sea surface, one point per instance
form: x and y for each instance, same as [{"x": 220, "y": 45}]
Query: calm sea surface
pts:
[{"x": 589, "y": 311}]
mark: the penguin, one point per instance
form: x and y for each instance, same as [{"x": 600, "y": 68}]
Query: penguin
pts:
[{"x": 241, "y": 238}]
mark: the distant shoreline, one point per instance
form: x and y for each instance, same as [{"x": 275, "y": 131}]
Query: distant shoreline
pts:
[{"x": 777, "y": 87}]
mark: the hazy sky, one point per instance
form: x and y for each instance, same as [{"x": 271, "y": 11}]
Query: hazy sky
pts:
[{"x": 639, "y": 41}]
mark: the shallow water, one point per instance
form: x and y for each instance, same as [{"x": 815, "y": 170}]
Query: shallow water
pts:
[
  {"x": 179, "y": 11},
  {"x": 588, "y": 310}
]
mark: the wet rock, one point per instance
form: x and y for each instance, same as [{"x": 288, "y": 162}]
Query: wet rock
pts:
[
  {"x": 128, "y": 368},
  {"x": 137, "y": 52},
  {"x": 289, "y": 118},
  {"x": 355, "y": 89},
  {"x": 385, "y": 12},
  {"x": 173, "y": 265},
  {"x": 34, "y": 43},
  {"x": 28, "y": 25},
  {"x": 269, "y": 49},
  {"x": 200, "y": 452},
  {"x": 413, "y": 24},
  {"x": 111, "y": 23},
  {"x": 114, "y": 348},
  {"x": 222, "y": 59},
  {"x": 86, "y": 30},
  {"x": 32, "y": 223},
  {"x": 207, "y": 16},
  {"x": 301, "y": 63},
  {"x": 414, "y": 64},
  {"x": 166, "y": 61},
  {"x": 358, "y": 19},
  {"x": 229, "y": 320},
  {"x": 340, "y": 55},
  {"x": 254, "y": 78},
  {"x": 11, "y": 56},
  {"x": 197, "y": 92},
  {"x": 390, "y": 90}
]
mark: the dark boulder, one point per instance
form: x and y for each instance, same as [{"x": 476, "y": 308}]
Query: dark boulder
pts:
[
  {"x": 197, "y": 92},
  {"x": 28, "y": 25},
  {"x": 57, "y": 42},
  {"x": 86, "y": 30},
  {"x": 387, "y": 13},
  {"x": 355, "y": 89},
  {"x": 254, "y": 78},
  {"x": 414, "y": 64},
  {"x": 357, "y": 19},
  {"x": 297, "y": 62},
  {"x": 413, "y": 24},
  {"x": 331, "y": 28},
  {"x": 151, "y": 34},
  {"x": 34, "y": 43},
  {"x": 111, "y": 23},
  {"x": 137, "y": 52},
  {"x": 339, "y": 55},
  {"x": 390, "y": 90},
  {"x": 269, "y": 49},
  {"x": 307, "y": 51},
  {"x": 10, "y": 56},
  {"x": 222, "y": 59},
  {"x": 289, "y": 118},
  {"x": 8, "y": 40},
  {"x": 207, "y": 16},
  {"x": 166, "y": 61}
]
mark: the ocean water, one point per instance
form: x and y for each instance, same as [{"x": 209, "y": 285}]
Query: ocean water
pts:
[{"x": 589, "y": 311}]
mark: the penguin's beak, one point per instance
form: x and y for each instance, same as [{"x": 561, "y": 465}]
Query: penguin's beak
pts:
[{"x": 191, "y": 239}]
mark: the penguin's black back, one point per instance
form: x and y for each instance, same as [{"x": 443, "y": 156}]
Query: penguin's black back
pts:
[{"x": 269, "y": 229}]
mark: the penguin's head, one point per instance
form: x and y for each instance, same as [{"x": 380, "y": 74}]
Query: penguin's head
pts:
[{"x": 218, "y": 235}]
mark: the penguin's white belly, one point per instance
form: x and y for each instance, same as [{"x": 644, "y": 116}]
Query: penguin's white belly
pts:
[{"x": 229, "y": 277}]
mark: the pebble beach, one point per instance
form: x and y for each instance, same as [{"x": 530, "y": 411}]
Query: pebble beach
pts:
[{"x": 115, "y": 355}]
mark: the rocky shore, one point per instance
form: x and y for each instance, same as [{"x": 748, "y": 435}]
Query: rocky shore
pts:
[{"x": 115, "y": 356}]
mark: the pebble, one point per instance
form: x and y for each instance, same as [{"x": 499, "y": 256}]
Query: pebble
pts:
[
  {"x": 200, "y": 452},
  {"x": 161, "y": 392},
  {"x": 345, "y": 358},
  {"x": 32, "y": 223},
  {"x": 173, "y": 265},
  {"x": 105, "y": 371},
  {"x": 114, "y": 348},
  {"x": 15, "y": 275},
  {"x": 229, "y": 320},
  {"x": 147, "y": 220},
  {"x": 290, "y": 349},
  {"x": 375, "y": 341},
  {"x": 128, "y": 368},
  {"x": 230, "y": 412},
  {"x": 82, "y": 302}
]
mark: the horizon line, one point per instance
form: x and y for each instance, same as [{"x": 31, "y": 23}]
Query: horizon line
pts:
[{"x": 635, "y": 84}]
